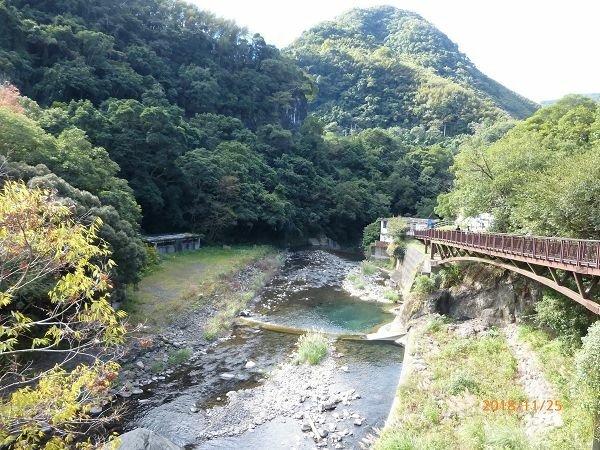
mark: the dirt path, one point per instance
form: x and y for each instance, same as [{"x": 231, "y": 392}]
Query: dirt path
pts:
[{"x": 535, "y": 385}]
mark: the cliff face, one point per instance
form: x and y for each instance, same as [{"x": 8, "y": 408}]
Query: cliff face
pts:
[{"x": 494, "y": 295}]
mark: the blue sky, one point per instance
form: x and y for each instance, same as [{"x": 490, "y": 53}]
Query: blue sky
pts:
[{"x": 540, "y": 49}]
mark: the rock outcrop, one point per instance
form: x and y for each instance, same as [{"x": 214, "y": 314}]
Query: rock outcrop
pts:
[{"x": 144, "y": 439}]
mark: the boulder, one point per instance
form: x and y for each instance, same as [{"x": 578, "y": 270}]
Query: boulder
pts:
[{"x": 143, "y": 439}]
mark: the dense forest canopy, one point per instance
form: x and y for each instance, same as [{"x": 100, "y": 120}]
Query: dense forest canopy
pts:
[
  {"x": 155, "y": 116},
  {"x": 387, "y": 67}
]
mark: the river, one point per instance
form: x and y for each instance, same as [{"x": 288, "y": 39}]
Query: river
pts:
[{"x": 216, "y": 401}]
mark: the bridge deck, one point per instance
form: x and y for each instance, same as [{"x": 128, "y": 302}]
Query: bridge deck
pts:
[
  {"x": 578, "y": 255},
  {"x": 527, "y": 255}
]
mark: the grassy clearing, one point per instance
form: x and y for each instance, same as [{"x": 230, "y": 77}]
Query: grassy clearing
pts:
[
  {"x": 184, "y": 280},
  {"x": 312, "y": 348},
  {"x": 443, "y": 409},
  {"x": 557, "y": 362}
]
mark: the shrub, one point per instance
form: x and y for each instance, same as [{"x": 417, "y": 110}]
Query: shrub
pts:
[
  {"x": 391, "y": 295},
  {"x": 179, "y": 356},
  {"x": 312, "y": 348},
  {"x": 588, "y": 374},
  {"x": 567, "y": 319},
  {"x": 461, "y": 382},
  {"x": 368, "y": 268},
  {"x": 371, "y": 234},
  {"x": 423, "y": 286}
]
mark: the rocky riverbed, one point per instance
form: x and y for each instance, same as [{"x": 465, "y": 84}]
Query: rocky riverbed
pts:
[{"x": 246, "y": 390}]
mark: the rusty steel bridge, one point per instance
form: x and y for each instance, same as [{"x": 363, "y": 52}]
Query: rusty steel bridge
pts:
[{"x": 569, "y": 266}]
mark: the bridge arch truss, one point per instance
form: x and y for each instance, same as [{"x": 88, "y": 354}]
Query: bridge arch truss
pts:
[{"x": 568, "y": 266}]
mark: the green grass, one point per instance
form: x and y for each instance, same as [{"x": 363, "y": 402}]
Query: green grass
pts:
[
  {"x": 175, "y": 358},
  {"x": 557, "y": 363},
  {"x": 367, "y": 268},
  {"x": 312, "y": 348},
  {"x": 447, "y": 411},
  {"x": 184, "y": 280}
]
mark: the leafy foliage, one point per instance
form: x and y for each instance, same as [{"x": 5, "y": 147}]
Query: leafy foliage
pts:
[
  {"x": 41, "y": 244},
  {"x": 537, "y": 177},
  {"x": 567, "y": 319},
  {"x": 385, "y": 67},
  {"x": 588, "y": 373}
]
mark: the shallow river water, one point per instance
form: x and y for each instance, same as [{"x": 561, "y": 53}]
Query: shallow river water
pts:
[{"x": 307, "y": 294}]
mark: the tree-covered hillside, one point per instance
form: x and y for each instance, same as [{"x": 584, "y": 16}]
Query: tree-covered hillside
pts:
[
  {"x": 391, "y": 68},
  {"x": 540, "y": 176},
  {"x": 207, "y": 124}
]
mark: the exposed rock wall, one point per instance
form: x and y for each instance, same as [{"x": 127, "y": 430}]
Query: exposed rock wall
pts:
[{"x": 495, "y": 295}]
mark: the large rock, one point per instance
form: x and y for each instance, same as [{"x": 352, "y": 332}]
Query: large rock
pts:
[{"x": 144, "y": 439}]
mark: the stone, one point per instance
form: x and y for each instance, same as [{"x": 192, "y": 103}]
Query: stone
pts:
[
  {"x": 328, "y": 406},
  {"x": 305, "y": 426},
  {"x": 137, "y": 391},
  {"x": 244, "y": 313},
  {"x": 250, "y": 365},
  {"x": 323, "y": 432},
  {"x": 227, "y": 376},
  {"x": 344, "y": 368},
  {"x": 143, "y": 439},
  {"x": 124, "y": 394},
  {"x": 193, "y": 409},
  {"x": 331, "y": 427},
  {"x": 358, "y": 422},
  {"x": 95, "y": 410},
  {"x": 139, "y": 364}
]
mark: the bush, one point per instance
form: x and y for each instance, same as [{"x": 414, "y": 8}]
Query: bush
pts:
[
  {"x": 461, "y": 382},
  {"x": 423, "y": 286},
  {"x": 368, "y": 268},
  {"x": 391, "y": 295},
  {"x": 567, "y": 319},
  {"x": 179, "y": 356},
  {"x": 371, "y": 234},
  {"x": 588, "y": 374},
  {"x": 312, "y": 348}
]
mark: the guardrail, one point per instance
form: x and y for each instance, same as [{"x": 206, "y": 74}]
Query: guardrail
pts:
[{"x": 577, "y": 252}]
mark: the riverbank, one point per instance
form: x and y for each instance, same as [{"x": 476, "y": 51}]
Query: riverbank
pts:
[
  {"x": 185, "y": 303},
  {"x": 244, "y": 389},
  {"x": 481, "y": 383},
  {"x": 184, "y": 281}
]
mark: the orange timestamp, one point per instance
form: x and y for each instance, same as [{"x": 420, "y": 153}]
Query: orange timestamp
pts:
[{"x": 546, "y": 405}]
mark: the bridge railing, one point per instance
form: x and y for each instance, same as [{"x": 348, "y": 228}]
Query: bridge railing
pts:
[{"x": 578, "y": 252}]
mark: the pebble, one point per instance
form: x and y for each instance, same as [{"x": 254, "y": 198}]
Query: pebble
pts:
[
  {"x": 140, "y": 364},
  {"x": 250, "y": 365},
  {"x": 358, "y": 422},
  {"x": 227, "y": 376},
  {"x": 95, "y": 410},
  {"x": 193, "y": 409},
  {"x": 137, "y": 391}
]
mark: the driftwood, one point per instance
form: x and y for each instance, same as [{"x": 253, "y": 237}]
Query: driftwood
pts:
[{"x": 314, "y": 428}]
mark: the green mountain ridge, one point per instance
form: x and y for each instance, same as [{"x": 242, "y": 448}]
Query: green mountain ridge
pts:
[{"x": 388, "y": 67}]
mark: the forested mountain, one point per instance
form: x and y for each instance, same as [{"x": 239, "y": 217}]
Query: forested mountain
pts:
[
  {"x": 158, "y": 117},
  {"x": 385, "y": 67}
]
